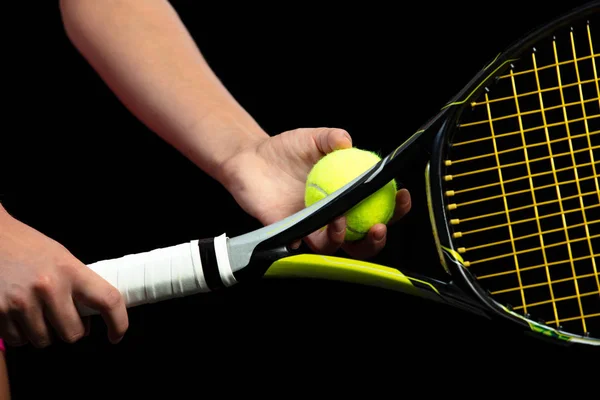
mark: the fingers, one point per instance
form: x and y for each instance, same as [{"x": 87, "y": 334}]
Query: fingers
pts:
[
  {"x": 31, "y": 316},
  {"x": 370, "y": 245},
  {"x": 95, "y": 292},
  {"x": 376, "y": 238},
  {"x": 61, "y": 311},
  {"x": 330, "y": 239},
  {"x": 23, "y": 319},
  {"x": 403, "y": 205},
  {"x": 330, "y": 139},
  {"x": 29, "y": 313},
  {"x": 10, "y": 332},
  {"x": 34, "y": 327}
]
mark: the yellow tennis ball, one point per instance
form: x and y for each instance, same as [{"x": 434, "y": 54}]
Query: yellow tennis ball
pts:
[{"x": 338, "y": 168}]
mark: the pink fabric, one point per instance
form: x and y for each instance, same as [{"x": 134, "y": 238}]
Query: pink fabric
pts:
[{"x": 2, "y": 348}]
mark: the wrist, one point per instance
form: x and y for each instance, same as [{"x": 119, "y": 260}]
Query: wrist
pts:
[
  {"x": 238, "y": 172},
  {"x": 221, "y": 143}
]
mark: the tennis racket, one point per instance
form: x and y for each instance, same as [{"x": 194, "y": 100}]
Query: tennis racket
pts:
[{"x": 512, "y": 182}]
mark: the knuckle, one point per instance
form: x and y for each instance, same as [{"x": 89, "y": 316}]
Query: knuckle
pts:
[
  {"x": 17, "y": 299},
  {"x": 44, "y": 283},
  {"x": 112, "y": 299}
]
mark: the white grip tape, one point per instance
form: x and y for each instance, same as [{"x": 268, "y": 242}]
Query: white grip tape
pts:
[
  {"x": 222, "y": 256},
  {"x": 156, "y": 275}
]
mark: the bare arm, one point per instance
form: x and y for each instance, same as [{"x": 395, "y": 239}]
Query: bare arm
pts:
[
  {"x": 143, "y": 52},
  {"x": 146, "y": 56}
]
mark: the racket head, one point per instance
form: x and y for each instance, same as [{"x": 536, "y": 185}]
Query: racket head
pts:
[
  {"x": 524, "y": 238},
  {"x": 464, "y": 287}
]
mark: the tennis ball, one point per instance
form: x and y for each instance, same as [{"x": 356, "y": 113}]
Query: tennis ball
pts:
[{"x": 338, "y": 168}]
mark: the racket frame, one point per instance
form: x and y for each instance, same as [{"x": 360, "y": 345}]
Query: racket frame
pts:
[{"x": 265, "y": 253}]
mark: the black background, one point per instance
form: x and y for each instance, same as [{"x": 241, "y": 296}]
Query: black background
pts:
[{"x": 80, "y": 168}]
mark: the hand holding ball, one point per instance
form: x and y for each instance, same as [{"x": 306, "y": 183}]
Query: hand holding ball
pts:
[{"x": 338, "y": 168}]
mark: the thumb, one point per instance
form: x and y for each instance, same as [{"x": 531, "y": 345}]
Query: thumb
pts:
[
  {"x": 93, "y": 291},
  {"x": 330, "y": 139}
]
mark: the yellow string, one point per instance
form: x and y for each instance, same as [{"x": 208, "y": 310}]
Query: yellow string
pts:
[
  {"x": 511, "y": 245},
  {"x": 589, "y": 35},
  {"x": 506, "y": 208}
]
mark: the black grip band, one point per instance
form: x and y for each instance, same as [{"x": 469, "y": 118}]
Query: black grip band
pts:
[{"x": 210, "y": 265}]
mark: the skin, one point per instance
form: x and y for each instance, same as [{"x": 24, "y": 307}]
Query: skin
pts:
[
  {"x": 4, "y": 383},
  {"x": 154, "y": 67}
]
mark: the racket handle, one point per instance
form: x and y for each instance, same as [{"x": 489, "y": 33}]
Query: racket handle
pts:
[{"x": 198, "y": 266}]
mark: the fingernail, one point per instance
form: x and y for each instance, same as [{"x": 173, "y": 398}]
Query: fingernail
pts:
[
  {"x": 347, "y": 135},
  {"x": 378, "y": 235},
  {"x": 340, "y": 145}
]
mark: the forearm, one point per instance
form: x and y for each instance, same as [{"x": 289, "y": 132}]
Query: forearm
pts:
[{"x": 146, "y": 56}]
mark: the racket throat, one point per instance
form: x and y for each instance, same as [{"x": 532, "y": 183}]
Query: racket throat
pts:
[{"x": 260, "y": 262}]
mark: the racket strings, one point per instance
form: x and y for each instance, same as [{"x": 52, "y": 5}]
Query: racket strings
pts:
[
  {"x": 526, "y": 147},
  {"x": 555, "y": 185},
  {"x": 523, "y": 185}
]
